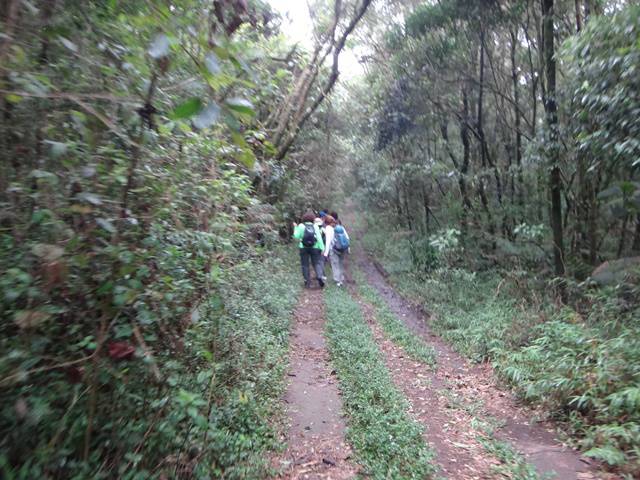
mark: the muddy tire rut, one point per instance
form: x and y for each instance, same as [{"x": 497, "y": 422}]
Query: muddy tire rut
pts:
[
  {"x": 442, "y": 398},
  {"x": 315, "y": 436},
  {"x": 448, "y": 431}
]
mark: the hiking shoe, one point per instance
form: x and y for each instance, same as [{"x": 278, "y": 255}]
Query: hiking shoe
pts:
[
  {"x": 307, "y": 285},
  {"x": 321, "y": 282},
  {"x": 339, "y": 284}
]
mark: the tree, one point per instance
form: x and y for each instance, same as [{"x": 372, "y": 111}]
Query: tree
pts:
[
  {"x": 553, "y": 146},
  {"x": 300, "y": 104}
]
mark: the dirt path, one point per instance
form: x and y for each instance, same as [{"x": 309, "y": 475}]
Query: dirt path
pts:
[
  {"x": 472, "y": 388},
  {"x": 316, "y": 445},
  {"x": 448, "y": 430}
]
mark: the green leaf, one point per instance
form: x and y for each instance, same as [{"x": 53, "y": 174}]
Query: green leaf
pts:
[
  {"x": 159, "y": 47},
  {"x": 247, "y": 158},
  {"x": 123, "y": 331},
  {"x": 186, "y": 109},
  {"x": 212, "y": 63},
  {"x": 44, "y": 175},
  {"x": 106, "y": 224},
  {"x": 614, "y": 191},
  {"x": 13, "y": 98},
  {"x": 222, "y": 52},
  {"x": 608, "y": 454},
  {"x": 57, "y": 149},
  {"x": 241, "y": 105},
  {"x": 207, "y": 117},
  {"x": 69, "y": 44}
]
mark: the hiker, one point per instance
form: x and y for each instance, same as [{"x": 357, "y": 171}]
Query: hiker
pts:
[
  {"x": 335, "y": 217},
  {"x": 311, "y": 247},
  {"x": 320, "y": 222},
  {"x": 336, "y": 248}
]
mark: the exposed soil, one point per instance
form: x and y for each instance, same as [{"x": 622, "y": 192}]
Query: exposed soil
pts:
[
  {"x": 448, "y": 431},
  {"x": 316, "y": 445},
  {"x": 458, "y": 381}
]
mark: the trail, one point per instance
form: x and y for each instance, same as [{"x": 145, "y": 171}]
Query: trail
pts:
[
  {"x": 315, "y": 438},
  {"x": 447, "y": 399},
  {"x": 476, "y": 429},
  {"x": 448, "y": 431}
]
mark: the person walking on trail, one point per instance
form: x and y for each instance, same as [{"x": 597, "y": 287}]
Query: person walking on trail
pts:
[
  {"x": 311, "y": 247},
  {"x": 336, "y": 248},
  {"x": 320, "y": 223}
]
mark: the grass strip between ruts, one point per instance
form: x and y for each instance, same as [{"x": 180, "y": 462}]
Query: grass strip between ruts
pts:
[
  {"x": 393, "y": 327},
  {"x": 387, "y": 442}
]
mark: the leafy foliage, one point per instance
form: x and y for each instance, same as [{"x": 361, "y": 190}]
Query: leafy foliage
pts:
[
  {"x": 602, "y": 64},
  {"x": 140, "y": 338},
  {"x": 210, "y": 413}
]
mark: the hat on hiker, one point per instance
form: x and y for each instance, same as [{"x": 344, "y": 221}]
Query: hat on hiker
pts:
[{"x": 322, "y": 213}]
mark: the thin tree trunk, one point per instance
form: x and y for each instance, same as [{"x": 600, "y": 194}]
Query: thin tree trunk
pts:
[
  {"x": 517, "y": 124},
  {"x": 283, "y": 147},
  {"x": 398, "y": 203},
  {"x": 635, "y": 246},
  {"x": 623, "y": 236},
  {"x": 578, "y": 16},
  {"x": 425, "y": 203},
  {"x": 407, "y": 210},
  {"x": 483, "y": 144},
  {"x": 464, "y": 168},
  {"x": 10, "y": 20},
  {"x": 551, "y": 110}
]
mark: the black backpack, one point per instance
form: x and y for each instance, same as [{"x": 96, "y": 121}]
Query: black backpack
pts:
[{"x": 309, "y": 235}]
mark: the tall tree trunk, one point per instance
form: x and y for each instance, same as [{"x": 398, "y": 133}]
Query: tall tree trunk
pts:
[
  {"x": 517, "y": 123},
  {"x": 578, "y": 16},
  {"x": 592, "y": 225},
  {"x": 427, "y": 209},
  {"x": 635, "y": 246},
  {"x": 483, "y": 144},
  {"x": 287, "y": 141},
  {"x": 9, "y": 13},
  {"x": 464, "y": 167},
  {"x": 398, "y": 203},
  {"x": 551, "y": 110},
  {"x": 483, "y": 149},
  {"x": 407, "y": 209},
  {"x": 623, "y": 236}
]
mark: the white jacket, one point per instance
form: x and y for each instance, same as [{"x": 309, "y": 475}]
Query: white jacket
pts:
[{"x": 329, "y": 239}]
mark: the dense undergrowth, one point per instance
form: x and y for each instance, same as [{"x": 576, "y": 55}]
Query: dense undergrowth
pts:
[
  {"x": 387, "y": 442},
  {"x": 201, "y": 406},
  {"x": 143, "y": 298},
  {"x": 580, "y": 361}
]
